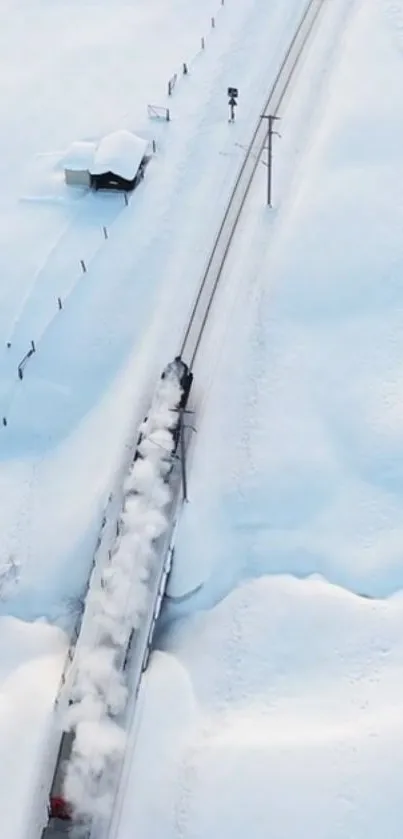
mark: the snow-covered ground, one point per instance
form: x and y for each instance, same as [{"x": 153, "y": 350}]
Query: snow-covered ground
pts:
[
  {"x": 87, "y": 386},
  {"x": 276, "y": 713},
  {"x": 272, "y": 707},
  {"x": 31, "y": 659},
  {"x": 77, "y": 72}
]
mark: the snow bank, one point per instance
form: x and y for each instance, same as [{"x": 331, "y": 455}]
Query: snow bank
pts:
[
  {"x": 120, "y": 153},
  {"x": 296, "y": 719},
  {"x": 100, "y": 693},
  {"x": 31, "y": 661},
  {"x": 164, "y": 729}
]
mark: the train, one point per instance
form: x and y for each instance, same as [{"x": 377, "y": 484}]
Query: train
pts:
[{"x": 60, "y": 815}]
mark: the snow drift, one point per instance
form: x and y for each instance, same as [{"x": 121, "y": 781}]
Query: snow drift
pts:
[{"x": 100, "y": 691}]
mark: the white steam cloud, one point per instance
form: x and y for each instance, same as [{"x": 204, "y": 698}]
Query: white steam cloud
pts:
[{"x": 118, "y": 606}]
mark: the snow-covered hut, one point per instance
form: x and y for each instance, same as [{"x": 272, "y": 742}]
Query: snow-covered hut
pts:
[
  {"x": 78, "y": 162},
  {"x": 119, "y": 161}
]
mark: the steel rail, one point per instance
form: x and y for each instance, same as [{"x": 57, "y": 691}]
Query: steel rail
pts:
[{"x": 222, "y": 243}]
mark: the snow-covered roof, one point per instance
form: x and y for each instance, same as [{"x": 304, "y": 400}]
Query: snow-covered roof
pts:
[
  {"x": 80, "y": 156},
  {"x": 120, "y": 153}
]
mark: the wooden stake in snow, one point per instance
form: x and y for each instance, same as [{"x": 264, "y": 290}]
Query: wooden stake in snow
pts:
[
  {"x": 105, "y": 232},
  {"x": 212, "y": 22},
  {"x": 202, "y": 43},
  {"x": 59, "y": 303},
  {"x": 83, "y": 266}
]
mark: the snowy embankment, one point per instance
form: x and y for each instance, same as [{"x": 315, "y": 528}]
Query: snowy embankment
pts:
[
  {"x": 117, "y": 608},
  {"x": 31, "y": 657},
  {"x": 276, "y": 713}
]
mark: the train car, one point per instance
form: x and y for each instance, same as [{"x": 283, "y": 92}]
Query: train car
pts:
[
  {"x": 60, "y": 817},
  {"x": 61, "y": 822}
]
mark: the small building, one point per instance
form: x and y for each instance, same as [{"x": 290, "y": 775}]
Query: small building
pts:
[
  {"x": 78, "y": 162},
  {"x": 119, "y": 162},
  {"x": 116, "y": 162}
]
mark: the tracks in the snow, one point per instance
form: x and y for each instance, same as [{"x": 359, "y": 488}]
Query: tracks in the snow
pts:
[
  {"x": 201, "y": 309},
  {"x": 211, "y": 277}
]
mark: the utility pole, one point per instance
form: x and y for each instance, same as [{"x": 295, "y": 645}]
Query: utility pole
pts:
[
  {"x": 270, "y": 120},
  {"x": 183, "y": 456}
]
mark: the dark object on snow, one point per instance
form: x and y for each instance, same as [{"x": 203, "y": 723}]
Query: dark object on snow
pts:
[
  {"x": 60, "y": 817},
  {"x": 59, "y": 809},
  {"x": 119, "y": 162},
  {"x": 185, "y": 377},
  {"x": 110, "y": 180},
  {"x": 232, "y": 94}
]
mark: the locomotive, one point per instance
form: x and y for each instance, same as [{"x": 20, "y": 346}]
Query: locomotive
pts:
[{"x": 180, "y": 370}]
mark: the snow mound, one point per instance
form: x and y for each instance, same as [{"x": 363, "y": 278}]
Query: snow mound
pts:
[
  {"x": 80, "y": 156},
  {"x": 32, "y": 657},
  {"x": 297, "y": 688},
  {"x": 120, "y": 153},
  {"x": 164, "y": 730}
]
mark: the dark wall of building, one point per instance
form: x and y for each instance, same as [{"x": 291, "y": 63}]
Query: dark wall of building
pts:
[{"x": 108, "y": 180}]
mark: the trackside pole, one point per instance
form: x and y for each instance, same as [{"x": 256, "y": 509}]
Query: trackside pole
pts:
[
  {"x": 270, "y": 120},
  {"x": 183, "y": 457}
]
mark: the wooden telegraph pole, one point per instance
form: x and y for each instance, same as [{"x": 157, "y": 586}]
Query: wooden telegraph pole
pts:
[{"x": 270, "y": 120}]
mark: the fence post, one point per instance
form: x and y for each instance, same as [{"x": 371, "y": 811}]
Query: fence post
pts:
[
  {"x": 202, "y": 43},
  {"x": 83, "y": 266},
  {"x": 212, "y": 23},
  {"x": 185, "y": 68},
  {"x": 105, "y": 232}
]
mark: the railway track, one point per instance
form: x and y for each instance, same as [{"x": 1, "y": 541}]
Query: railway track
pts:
[
  {"x": 193, "y": 334},
  {"x": 194, "y": 331},
  {"x": 189, "y": 349}
]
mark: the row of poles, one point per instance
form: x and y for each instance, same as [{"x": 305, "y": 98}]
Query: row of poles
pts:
[{"x": 185, "y": 66}]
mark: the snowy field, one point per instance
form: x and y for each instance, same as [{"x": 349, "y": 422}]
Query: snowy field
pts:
[
  {"x": 86, "y": 388},
  {"x": 76, "y": 73},
  {"x": 272, "y": 706}
]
